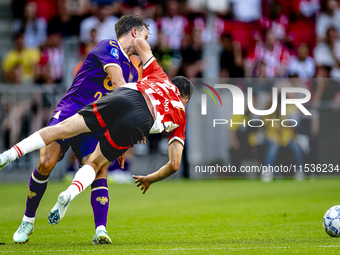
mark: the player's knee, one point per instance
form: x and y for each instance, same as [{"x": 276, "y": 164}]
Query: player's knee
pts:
[
  {"x": 96, "y": 167},
  {"x": 45, "y": 167},
  {"x": 102, "y": 174}
]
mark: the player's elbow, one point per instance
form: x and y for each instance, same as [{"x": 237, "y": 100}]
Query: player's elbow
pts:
[
  {"x": 141, "y": 44},
  {"x": 175, "y": 164},
  {"x": 117, "y": 84}
]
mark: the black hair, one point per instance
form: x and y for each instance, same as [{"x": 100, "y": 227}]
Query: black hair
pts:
[
  {"x": 226, "y": 36},
  {"x": 16, "y": 36},
  {"x": 184, "y": 86},
  {"x": 327, "y": 68},
  {"x": 127, "y": 22}
]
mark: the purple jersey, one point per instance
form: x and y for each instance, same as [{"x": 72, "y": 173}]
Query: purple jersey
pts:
[{"x": 92, "y": 81}]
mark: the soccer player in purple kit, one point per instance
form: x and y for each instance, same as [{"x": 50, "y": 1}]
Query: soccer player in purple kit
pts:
[{"x": 106, "y": 67}]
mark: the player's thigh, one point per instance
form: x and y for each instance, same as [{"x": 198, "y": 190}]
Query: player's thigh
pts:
[
  {"x": 70, "y": 127},
  {"x": 97, "y": 160},
  {"x": 49, "y": 156},
  {"x": 83, "y": 146}
]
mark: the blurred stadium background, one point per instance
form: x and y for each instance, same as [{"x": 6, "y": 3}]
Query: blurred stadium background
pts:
[{"x": 43, "y": 43}]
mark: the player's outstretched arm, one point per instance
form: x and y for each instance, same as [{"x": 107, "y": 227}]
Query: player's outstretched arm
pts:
[
  {"x": 143, "y": 49},
  {"x": 175, "y": 157}
]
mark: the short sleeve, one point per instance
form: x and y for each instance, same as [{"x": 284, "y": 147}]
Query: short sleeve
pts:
[
  {"x": 152, "y": 68},
  {"x": 107, "y": 53},
  {"x": 177, "y": 134}
]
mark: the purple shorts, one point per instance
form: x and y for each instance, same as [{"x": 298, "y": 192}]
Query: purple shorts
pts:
[{"x": 82, "y": 145}]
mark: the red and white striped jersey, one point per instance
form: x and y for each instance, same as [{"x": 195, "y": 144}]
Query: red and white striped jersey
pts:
[
  {"x": 166, "y": 100},
  {"x": 275, "y": 58}
]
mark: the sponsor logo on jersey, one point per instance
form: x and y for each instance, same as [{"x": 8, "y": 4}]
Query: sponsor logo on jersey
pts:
[
  {"x": 114, "y": 52},
  {"x": 102, "y": 200},
  {"x": 56, "y": 116}
]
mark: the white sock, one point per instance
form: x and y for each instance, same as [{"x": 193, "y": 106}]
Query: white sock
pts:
[
  {"x": 83, "y": 178},
  {"x": 101, "y": 227},
  {"x": 31, "y": 143},
  {"x": 28, "y": 219}
]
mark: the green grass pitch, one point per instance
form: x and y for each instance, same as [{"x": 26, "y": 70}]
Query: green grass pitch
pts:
[{"x": 182, "y": 217}]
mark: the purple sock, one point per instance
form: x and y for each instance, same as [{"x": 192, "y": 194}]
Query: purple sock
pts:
[
  {"x": 36, "y": 190},
  {"x": 100, "y": 201}
]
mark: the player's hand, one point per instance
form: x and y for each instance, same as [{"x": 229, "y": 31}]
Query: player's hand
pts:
[
  {"x": 121, "y": 161},
  {"x": 142, "y": 181},
  {"x": 142, "y": 141}
]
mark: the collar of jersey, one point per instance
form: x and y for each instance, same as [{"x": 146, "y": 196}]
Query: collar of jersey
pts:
[{"x": 121, "y": 48}]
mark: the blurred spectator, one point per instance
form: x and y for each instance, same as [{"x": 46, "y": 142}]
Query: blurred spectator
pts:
[
  {"x": 198, "y": 21},
  {"x": 231, "y": 60},
  {"x": 328, "y": 53},
  {"x": 330, "y": 17},
  {"x": 305, "y": 8},
  {"x": 219, "y": 6},
  {"x": 278, "y": 136},
  {"x": 243, "y": 139},
  {"x": 46, "y": 8},
  {"x": 173, "y": 25},
  {"x": 272, "y": 53},
  {"x": 85, "y": 50},
  {"x": 103, "y": 2},
  {"x": 153, "y": 29},
  {"x": 13, "y": 122},
  {"x": 20, "y": 61},
  {"x": 16, "y": 74},
  {"x": 261, "y": 87},
  {"x": 64, "y": 23},
  {"x": 51, "y": 65},
  {"x": 102, "y": 21},
  {"x": 302, "y": 66},
  {"x": 325, "y": 91},
  {"x": 78, "y": 7},
  {"x": 34, "y": 28},
  {"x": 169, "y": 60},
  {"x": 276, "y": 21},
  {"x": 192, "y": 55},
  {"x": 247, "y": 10}
]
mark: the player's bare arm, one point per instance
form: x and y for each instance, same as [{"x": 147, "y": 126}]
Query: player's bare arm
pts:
[
  {"x": 116, "y": 76},
  {"x": 175, "y": 157},
  {"x": 143, "y": 49}
]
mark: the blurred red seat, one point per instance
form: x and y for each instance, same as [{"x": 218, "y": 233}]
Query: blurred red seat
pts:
[
  {"x": 242, "y": 32},
  {"x": 302, "y": 31}
]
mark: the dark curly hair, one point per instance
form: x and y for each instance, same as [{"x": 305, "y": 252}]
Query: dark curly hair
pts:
[
  {"x": 184, "y": 86},
  {"x": 127, "y": 22}
]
